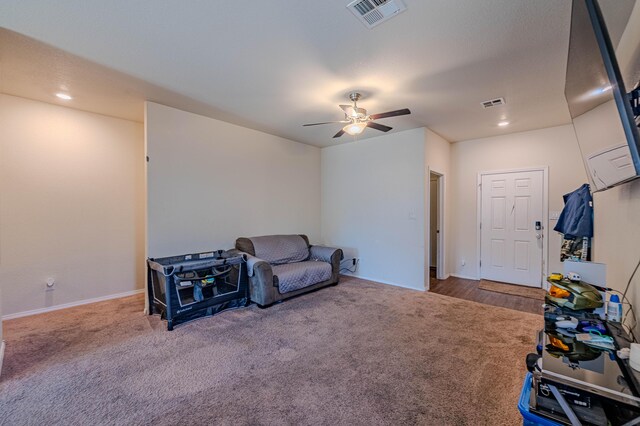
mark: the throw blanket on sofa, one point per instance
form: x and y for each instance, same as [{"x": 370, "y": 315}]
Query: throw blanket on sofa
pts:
[{"x": 280, "y": 249}]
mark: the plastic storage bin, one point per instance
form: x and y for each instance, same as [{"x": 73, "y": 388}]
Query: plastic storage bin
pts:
[{"x": 529, "y": 418}]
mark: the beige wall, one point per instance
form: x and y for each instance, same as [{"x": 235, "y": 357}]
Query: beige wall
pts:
[
  {"x": 555, "y": 147},
  {"x": 71, "y": 205},
  {"x": 617, "y": 234},
  {"x": 373, "y": 205},
  {"x": 1, "y": 335},
  {"x": 210, "y": 182},
  {"x": 617, "y": 210}
]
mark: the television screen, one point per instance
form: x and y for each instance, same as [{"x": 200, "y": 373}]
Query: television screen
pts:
[{"x": 598, "y": 102}]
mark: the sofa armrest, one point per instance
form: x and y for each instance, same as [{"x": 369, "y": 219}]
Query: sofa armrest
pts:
[
  {"x": 325, "y": 254},
  {"x": 330, "y": 255},
  {"x": 261, "y": 287},
  {"x": 255, "y": 264}
]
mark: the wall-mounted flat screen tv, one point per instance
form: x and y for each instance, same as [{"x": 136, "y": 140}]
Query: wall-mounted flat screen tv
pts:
[{"x": 598, "y": 102}]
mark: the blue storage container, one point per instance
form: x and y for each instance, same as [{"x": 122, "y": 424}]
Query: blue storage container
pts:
[{"x": 529, "y": 418}]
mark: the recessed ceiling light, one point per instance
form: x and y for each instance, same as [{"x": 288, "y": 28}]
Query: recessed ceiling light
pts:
[
  {"x": 64, "y": 96},
  {"x": 503, "y": 123}
]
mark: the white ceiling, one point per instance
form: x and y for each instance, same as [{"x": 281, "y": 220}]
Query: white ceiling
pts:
[{"x": 274, "y": 65}]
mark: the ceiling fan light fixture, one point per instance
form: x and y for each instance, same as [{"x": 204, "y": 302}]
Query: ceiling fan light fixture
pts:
[
  {"x": 354, "y": 128},
  {"x": 357, "y": 119}
]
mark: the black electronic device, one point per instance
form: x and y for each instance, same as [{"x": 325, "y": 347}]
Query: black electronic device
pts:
[
  {"x": 593, "y": 414},
  {"x": 572, "y": 395},
  {"x": 600, "y": 107}
]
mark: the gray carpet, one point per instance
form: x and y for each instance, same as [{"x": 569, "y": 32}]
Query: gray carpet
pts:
[{"x": 360, "y": 353}]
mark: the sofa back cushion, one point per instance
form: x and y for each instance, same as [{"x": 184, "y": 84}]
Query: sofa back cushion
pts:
[
  {"x": 279, "y": 249},
  {"x": 244, "y": 244}
]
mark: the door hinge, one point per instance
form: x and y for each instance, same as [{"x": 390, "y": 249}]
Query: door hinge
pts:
[{"x": 480, "y": 225}]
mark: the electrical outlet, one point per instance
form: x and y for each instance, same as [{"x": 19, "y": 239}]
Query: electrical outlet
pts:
[
  {"x": 354, "y": 261},
  {"x": 463, "y": 262},
  {"x": 51, "y": 282}
]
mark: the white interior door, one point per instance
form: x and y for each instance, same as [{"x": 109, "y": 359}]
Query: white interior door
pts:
[{"x": 510, "y": 245}]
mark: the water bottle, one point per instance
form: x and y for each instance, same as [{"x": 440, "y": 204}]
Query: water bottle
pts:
[{"x": 614, "y": 309}]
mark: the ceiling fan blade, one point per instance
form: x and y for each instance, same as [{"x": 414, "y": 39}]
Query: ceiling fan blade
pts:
[
  {"x": 377, "y": 126},
  {"x": 326, "y": 122},
  {"x": 390, "y": 114},
  {"x": 348, "y": 109},
  {"x": 340, "y": 133}
]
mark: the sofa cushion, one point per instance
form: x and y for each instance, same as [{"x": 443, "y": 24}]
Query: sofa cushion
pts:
[
  {"x": 294, "y": 276},
  {"x": 278, "y": 249}
]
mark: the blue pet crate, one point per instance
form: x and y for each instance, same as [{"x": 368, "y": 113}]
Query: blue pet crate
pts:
[{"x": 529, "y": 418}]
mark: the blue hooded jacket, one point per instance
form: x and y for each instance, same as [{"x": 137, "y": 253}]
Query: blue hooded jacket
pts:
[{"x": 576, "y": 219}]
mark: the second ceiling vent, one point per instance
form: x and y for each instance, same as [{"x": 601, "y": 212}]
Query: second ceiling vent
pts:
[
  {"x": 375, "y": 12},
  {"x": 492, "y": 103}
]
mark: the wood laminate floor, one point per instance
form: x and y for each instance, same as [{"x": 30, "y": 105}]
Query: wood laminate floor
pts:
[{"x": 468, "y": 289}]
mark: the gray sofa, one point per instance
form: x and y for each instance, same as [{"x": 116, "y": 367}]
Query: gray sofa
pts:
[{"x": 283, "y": 266}]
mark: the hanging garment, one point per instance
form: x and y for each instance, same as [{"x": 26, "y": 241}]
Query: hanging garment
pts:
[{"x": 576, "y": 219}]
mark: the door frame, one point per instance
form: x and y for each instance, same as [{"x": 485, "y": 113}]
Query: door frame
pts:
[
  {"x": 545, "y": 214},
  {"x": 441, "y": 252}
]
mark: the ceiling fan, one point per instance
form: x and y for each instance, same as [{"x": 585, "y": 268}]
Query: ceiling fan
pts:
[{"x": 357, "y": 120}]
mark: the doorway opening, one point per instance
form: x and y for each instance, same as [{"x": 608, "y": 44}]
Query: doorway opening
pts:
[{"x": 435, "y": 222}]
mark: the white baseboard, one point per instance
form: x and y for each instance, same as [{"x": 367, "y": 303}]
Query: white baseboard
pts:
[
  {"x": 2, "y": 345},
  {"x": 377, "y": 280},
  {"x": 71, "y": 304},
  {"x": 465, "y": 277}
]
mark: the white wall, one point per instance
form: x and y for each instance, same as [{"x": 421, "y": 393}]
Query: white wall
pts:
[
  {"x": 71, "y": 205},
  {"x": 555, "y": 147},
  {"x": 373, "y": 205},
  {"x": 210, "y": 182}
]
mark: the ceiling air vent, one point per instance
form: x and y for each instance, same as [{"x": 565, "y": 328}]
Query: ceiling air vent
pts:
[
  {"x": 492, "y": 103},
  {"x": 375, "y": 12}
]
